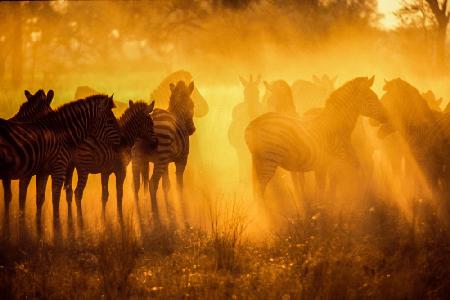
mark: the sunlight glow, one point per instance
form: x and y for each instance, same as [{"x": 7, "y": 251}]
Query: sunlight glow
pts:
[{"x": 387, "y": 8}]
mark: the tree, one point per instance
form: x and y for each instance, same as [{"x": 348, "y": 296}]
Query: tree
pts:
[
  {"x": 427, "y": 14},
  {"x": 441, "y": 14}
]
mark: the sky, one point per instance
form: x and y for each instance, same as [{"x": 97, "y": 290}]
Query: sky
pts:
[{"x": 387, "y": 8}]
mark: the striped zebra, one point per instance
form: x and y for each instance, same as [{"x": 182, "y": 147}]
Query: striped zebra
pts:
[
  {"x": 43, "y": 147},
  {"x": 276, "y": 140},
  {"x": 162, "y": 93},
  {"x": 172, "y": 128},
  {"x": 36, "y": 106},
  {"x": 425, "y": 131},
  {"x": 95, "y": 156}
]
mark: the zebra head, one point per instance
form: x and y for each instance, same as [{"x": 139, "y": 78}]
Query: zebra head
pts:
[
  {"x": 181, "y": 104},
  {"x": 36, "y": 106},
  {"x": 105, "y": 126},
  {"x": 251, "y": 89},
  {"x": 326, "y": 83},
  {"x": 137, "y": 123},
  {"x": 405, "y": 105},
  {"x": 368, "y": 102},
  {"x": 279, "y": 97},
  {"x": 161, "y": 94}
]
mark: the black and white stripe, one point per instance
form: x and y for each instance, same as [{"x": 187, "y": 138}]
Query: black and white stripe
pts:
[
  {"x": 425, "y": 131},
  {"x": 95, "y": 156},
  {"x": 276, "y": 140},
  {"x": 36, "y": 106},
  {"x": 43, "y": 147},
  {"x": 172, "y": 128}
]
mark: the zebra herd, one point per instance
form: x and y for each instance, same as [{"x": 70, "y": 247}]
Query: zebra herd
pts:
[
  {"x": 85, "y": 135},
  {"x": 322, "y": 139}
]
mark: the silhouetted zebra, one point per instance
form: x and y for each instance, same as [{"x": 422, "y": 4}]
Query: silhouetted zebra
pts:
[
  {"x": 172, "y": 128},
  {"x": 95, "y": 156},
  {"x": 426, "y": 131},
  {"x": 43, "y": 147},
  {"x": 276, "y": 140},
  {"x": 36, "y": 106},
  {"x": 312, "y": 94},
  {"x": 162, "y": 93},
  {"x": 278, "y": 98},
  {"x": 242, "y": 114}
]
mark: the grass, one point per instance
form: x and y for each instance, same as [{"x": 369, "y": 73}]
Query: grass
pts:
[{"x": 362, "y": 253}]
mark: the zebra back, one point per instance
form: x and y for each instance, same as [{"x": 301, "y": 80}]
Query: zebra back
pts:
[
  {"x": 27, "y": 147},
  {"x": 76, "y": 120},
  {"x": 36, "y": 106}
]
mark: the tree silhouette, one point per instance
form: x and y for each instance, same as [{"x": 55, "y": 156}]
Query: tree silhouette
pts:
[{"x": 428, "y": 14}]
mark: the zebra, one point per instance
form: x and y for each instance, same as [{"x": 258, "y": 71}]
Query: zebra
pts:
[
  {"x": 172, "y": 127},
  {"x": 85, "y": 91},
  {"x": 276, "y": 140},
  {"x": 162, "y": 93},
  {"x": 311, "y": 94},
  {"x": 95, "y": 156},
  {"x": 43, "y": 147},
  {"x": 279, "y": 98},
  {"x": 426, "y": 131},
  {"x": 242, "y": 114},
  {"x": 36, "y": 106}
]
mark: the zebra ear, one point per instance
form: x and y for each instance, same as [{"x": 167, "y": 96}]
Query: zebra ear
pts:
[
  {"x": 131, "y": 103},
  {"x": 50, "y": 96},
  {"x": 191, "y": 87},
  {"x": 28, "y": 95},
  {"x": 172, "y": 87},
  {"x": 152, "y": 105},
  {"x": 243, "y": 81},
  {"x": 267, "y": 85},
  {"x": 371, "y": 80}
]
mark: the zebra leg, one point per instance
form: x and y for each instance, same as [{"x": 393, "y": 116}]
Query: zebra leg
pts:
[
  {"x": 136, "y": 169},
  {"x": 263, "y": 171},
  {"x": 81, "y": 184},
  {"x": 158, "y": 170},
  {"x": 166, "y": 188},
  {"x": 321, "y": 182},
  {"x": 105, "y": 192},
  {"x": 145, "y": 172},
  {"x": 180, "y": 167},
  {"x": 23, "y": 187},
  {"x": 120, "y": 178},
  {"x": 69, "y": 190},
  {"x": 57, "y": 183},
  {"x": 41, "y": 183},
  {"x": 7, "y": 195},
  {"x": 298, "y": 180}
]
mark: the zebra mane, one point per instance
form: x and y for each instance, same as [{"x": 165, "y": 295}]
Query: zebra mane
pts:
[
  {"x": 107, "y": 101},
  {"x": 131, "y": 111},
  {"x": 406, "y": 95},
  {"x": 344, "y": 89}
]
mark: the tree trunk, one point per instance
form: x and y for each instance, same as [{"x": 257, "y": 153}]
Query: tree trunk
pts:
[
  {"x": 17, "y": 48},
  {"x": 441, "y": 36}
]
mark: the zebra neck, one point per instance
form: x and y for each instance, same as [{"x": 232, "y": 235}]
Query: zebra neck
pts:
[
  {"x": 128, "y": 135},
  {"x": 71, "y": 130},
  {"x": 334, "y": 120}
]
